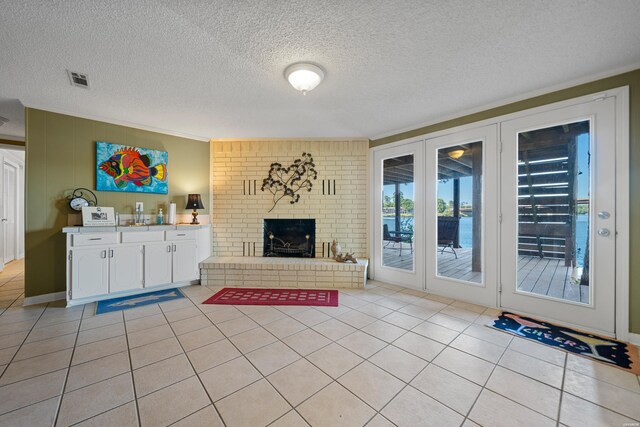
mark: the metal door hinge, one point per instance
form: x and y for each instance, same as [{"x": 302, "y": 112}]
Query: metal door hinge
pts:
[
  {"x": 69, "y": 293},
  {"x": 500, "y": 218},
  {"x": 70, "y": 256},
  {"x": 500, "y": 288}
]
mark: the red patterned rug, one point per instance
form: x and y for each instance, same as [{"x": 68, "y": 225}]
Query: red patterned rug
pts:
[{"x": 266, "y": 296}]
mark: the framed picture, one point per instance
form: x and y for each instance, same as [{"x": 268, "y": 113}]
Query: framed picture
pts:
[
  {"x": 131, "y": 169},
  {"x": 93, "y": 216}
]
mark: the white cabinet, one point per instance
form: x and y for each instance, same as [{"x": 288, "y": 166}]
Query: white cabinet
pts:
[
  {"x": 125, "y": 268},
  {"x": 157, "y": 264},
  {"x": 102, "y": 270},
  {"x": 184, "y": 253},
  {"x": 105, "y": 264},
  {"x": 89, "y": 272},
  {"x": 170, "y": 262}
]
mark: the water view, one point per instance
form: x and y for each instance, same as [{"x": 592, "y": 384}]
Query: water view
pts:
[{"x": 466, "y": 224}]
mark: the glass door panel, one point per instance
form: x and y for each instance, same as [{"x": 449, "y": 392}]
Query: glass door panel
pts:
[
  {"x": 398, "y": 208},
  {"x": 553, "y": 211},
  {"x": 459, "y": 208}
]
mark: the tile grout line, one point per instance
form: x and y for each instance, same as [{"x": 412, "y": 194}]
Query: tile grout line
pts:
[
  {"x": 195, "y": 371},
  {"x": 564, "y": 375},
  {"x": 22, "y": 343},
  {"x": 66, "y": 378},
  {"x": 133, "y": 381}
]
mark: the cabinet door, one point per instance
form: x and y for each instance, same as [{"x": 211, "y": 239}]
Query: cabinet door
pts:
[
  {"x": 89, "y": 272},
  {"x": 157, "y": 264},
  {"x": 185, "y": 264},
  {"x": 125, "y": 268}
]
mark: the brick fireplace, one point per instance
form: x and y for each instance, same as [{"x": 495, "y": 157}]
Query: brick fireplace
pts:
[{"x": 337, "y": 202}]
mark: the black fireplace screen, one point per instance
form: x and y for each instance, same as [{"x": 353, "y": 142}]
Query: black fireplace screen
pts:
[{"x": 290, "y": 238}]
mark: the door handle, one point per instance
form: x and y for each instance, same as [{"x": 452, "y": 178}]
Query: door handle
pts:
[
  {"x": 110, "y": 253},
  {"x": 604, "y": 215},
  {"x": 168, "y": 248},
  {"x": 103, "y": 254},
  {"x": 175, "y": 248},
  {"x": 604, "y": 232},
  {"x": 4, "y": 219}
]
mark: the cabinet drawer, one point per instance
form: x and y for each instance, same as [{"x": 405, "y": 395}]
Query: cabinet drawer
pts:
[
  {"x": 142, "y": 236},
  {"x": 90, "y": 239},
  {"x": 181, "y": 235}
]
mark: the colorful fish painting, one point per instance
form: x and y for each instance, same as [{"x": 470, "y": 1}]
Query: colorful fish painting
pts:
[{"x": 132, "y": 169}]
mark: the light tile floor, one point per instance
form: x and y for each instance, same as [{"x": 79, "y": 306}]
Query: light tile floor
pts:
[{"x": 386, "y": 356}]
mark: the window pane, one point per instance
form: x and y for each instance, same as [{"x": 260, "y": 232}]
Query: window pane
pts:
[
  {"x": 459, "y": 210},
  {"x": 553, "y": 211},
  {"x": 398, "y": 212}
]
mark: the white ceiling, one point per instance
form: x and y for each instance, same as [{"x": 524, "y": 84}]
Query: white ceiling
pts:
[{"x": 215, "y": 68}]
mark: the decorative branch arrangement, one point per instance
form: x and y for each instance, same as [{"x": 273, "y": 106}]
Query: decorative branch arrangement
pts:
[{"x": 289, "y": 181}]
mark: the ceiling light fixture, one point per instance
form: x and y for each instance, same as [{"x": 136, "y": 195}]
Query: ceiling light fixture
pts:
[
  {"x": 455, "y": 154},
  {"x": 304, "y": 76}
]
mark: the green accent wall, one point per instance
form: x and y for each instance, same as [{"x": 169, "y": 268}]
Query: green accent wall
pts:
[
  {"x": 631, "y": 79},
  {"x": 61, "y": 156}
]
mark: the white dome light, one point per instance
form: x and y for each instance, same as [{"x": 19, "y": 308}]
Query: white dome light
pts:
[{"x": 303, "y": 76}]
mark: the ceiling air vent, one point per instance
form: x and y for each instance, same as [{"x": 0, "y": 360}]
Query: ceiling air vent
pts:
[{"x": 78, "y": 79}]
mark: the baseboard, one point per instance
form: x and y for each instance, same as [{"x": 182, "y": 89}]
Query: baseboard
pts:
[
  {"x": 39, "y": 299},
  {"x": 634, "y": 338}
]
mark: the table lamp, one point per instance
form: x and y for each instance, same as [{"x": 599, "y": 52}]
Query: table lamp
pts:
[{"x": 194, "y": 201}]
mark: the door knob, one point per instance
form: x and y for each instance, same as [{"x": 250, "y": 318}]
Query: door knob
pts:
[
  {"x": 604, "y": 232},
  {"x": 604, "y": 215},
  {"x": 4, "y": 219}
]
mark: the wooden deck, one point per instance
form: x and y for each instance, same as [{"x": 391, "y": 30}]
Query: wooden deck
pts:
[
  {"x": 543, "y": 276},
  {"x": 549, "y": 276},
  {"x": 391, "y": 256}
]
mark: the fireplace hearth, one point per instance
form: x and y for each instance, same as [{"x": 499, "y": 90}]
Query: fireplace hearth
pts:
[{"x": 289, "y": 238}]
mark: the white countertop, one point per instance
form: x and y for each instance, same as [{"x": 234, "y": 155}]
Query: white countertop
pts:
[{"x": 128, "y": 228}]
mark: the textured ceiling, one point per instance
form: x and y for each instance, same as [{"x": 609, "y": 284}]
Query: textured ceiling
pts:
[{"x": 215, "y": 68}]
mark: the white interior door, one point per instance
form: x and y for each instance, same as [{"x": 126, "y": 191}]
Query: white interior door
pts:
[
  {"x": 2, "y": 211},
  {"x": 398, "y": 214},
  {"x": 558, "y": 207},
  {"x": 461, "y": 215},
  {"x": 9, "y": 211}
]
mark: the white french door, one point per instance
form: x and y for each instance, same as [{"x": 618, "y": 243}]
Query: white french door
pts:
[
  {"x": 461, "y": 215},
  {"x": 558, "y": 204},
  {"x": 398, "y": 207}
]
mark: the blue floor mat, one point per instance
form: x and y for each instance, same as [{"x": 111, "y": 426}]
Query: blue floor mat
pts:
[{"x": 133, "y": 301}]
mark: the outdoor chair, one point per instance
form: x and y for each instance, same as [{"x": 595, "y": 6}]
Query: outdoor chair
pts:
[
  {"x": 396, "y": 238},
  {"x": 447, "y": 231}
]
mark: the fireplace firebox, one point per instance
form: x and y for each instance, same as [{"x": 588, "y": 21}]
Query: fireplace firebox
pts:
[{"x": 289, "y": 238}]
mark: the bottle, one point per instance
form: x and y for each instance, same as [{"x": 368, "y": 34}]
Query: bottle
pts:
[{"x": 159, "y": 218}]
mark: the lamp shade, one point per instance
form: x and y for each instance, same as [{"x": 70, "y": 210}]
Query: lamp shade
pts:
[{"x": 194, "y": 201}]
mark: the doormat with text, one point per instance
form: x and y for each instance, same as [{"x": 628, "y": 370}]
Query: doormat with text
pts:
[
  {"x": 606, "y": 350},
  {"x": 133, "y": 301},
  {"x": 266, "y": 296}
]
